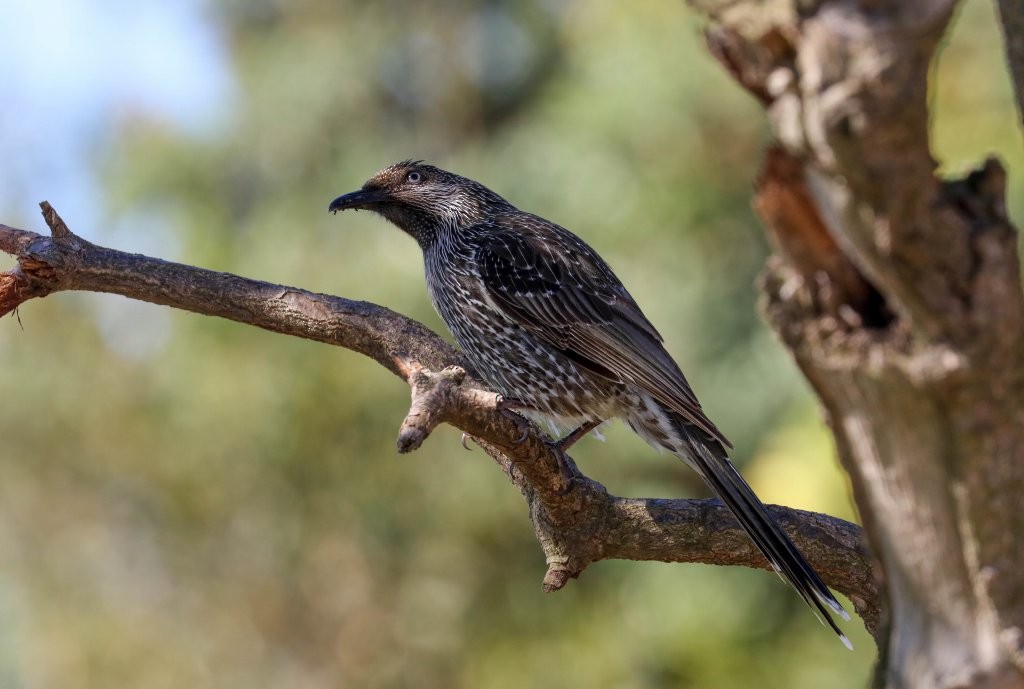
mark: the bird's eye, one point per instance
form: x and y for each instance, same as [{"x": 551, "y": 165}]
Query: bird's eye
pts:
[{"x": 414, "y": 176}]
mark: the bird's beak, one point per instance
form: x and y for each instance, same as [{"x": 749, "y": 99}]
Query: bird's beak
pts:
[{"x": 357, "y": 199}]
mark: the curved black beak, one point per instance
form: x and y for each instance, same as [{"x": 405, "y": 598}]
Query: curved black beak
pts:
[{"x": 357, "y": 199}]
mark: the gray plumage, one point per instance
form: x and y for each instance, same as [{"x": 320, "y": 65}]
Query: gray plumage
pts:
[{"x": 546, "y": 322}]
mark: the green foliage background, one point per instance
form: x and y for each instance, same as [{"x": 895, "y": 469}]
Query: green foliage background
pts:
[{"x": 186, "y": 502}]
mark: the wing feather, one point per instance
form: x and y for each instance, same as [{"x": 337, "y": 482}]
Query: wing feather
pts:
[{"x": 557, "y": 288}]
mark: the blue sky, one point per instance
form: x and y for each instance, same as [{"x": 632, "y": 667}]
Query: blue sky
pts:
[{"x": 70, "y": 68}]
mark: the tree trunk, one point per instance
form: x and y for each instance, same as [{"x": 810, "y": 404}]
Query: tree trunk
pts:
[{"x": 899, "y": 296}]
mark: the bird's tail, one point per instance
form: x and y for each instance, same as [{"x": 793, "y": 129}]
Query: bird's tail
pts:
[{"x": 708, "y": 457}]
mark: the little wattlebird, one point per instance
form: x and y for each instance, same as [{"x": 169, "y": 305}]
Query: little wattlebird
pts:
[{"x": 546, "y": 322}]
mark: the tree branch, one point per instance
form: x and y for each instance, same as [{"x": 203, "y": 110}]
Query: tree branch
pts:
[{"x": 577, "y": 522}]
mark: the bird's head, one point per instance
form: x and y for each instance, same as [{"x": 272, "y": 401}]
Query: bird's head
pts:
[{"x": 422, "y": 199}]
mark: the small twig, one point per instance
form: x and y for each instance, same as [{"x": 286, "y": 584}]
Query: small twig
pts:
[
  {"x": 58, "y": 228},
  {"x": 430, "y": 393}
]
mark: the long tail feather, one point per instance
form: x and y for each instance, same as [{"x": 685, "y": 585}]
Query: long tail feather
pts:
[
  {"x": 711, "y": 462},
  {"x": 664, "y": 428}
]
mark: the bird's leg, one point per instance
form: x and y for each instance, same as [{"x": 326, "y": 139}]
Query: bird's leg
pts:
[
  {"x": 560, "y": 446},
  {"x": 510, "y": 407},
  {"x": 568, "y": 441}
]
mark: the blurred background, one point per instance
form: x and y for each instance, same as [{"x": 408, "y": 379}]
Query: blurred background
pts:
[{"x": 188, "y": 502}]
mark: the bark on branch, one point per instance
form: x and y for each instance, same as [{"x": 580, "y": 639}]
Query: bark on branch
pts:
[{"x": 577, "y": 522}]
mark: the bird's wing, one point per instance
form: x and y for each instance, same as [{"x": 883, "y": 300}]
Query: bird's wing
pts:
[{"x": 556, "y": 287}]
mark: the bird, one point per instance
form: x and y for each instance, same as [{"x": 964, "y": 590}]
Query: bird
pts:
[{"x": 544, "y": 320}]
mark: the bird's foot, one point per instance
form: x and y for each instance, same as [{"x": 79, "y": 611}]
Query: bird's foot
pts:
[
  {"x": 510, "y": 407},
  {"x": 563, "y": 460},
  {"x": 559, "y": 447}
]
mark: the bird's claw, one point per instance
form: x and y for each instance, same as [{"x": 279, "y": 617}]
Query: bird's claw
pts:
[
  {"x": 521, "y": 423},
  {"x": 562, "y": 459},
  {"x": 465, "y": 437},
  {"x": 508, "y": 408}
]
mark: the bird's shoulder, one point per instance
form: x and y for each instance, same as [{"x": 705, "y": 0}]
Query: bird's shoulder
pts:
[
  {"x": 554, "y": 285},
  {"x": 525, "y": 257}
]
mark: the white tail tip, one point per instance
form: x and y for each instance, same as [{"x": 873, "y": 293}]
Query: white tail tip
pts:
[{"x": 834, "y": 605}]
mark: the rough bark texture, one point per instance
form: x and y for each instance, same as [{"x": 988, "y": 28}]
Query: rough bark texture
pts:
[
  {"x": 899, "y": 296},
  {"x": 577, "y": 522}
]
